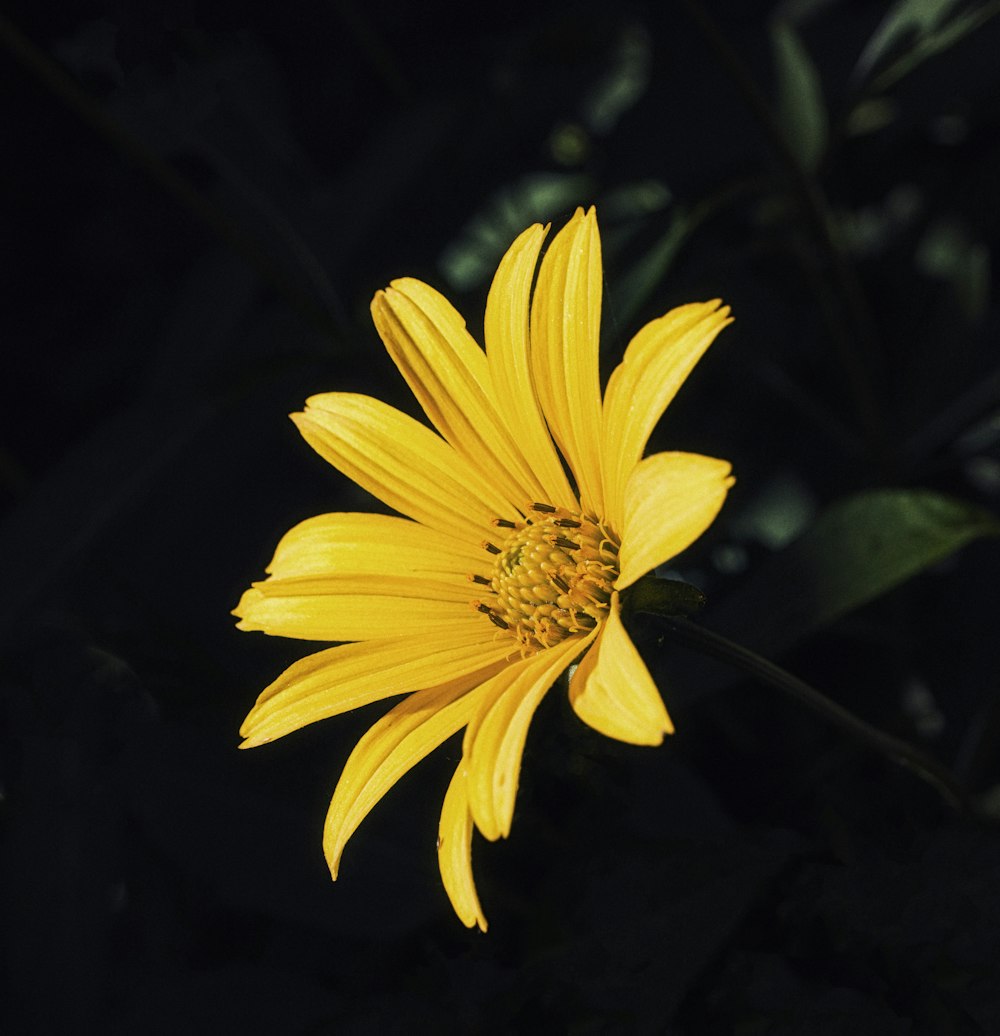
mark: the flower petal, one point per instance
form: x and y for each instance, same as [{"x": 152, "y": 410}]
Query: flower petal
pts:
[
  {"x": 395, "y": 744},
  {"x": 350, "y": 675},
  {"x": 654, "y": 367},
  {"x": 373, "y": 544},
  {"x": 612, "y": 690},
  {"x": 455, "y": 852},
  {"x": 507, "y": 349},
  {"x": 402, "y": 462},
  {"x": 670, "y": 500},
  {"x": 494, "y": 741},
  {"x": 352, "y": 607},
  {"x": 450, "y": 377},
  {"x": 565, "y": 339}
]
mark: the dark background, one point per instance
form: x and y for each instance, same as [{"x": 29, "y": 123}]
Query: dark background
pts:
[{"x": 198, "y": 203}]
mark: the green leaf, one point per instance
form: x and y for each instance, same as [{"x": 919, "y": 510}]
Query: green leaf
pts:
[
  {"x": 929, "y": 26},
  {"x": 857, "y": 550},
  {"x": 801, "y": 111}
]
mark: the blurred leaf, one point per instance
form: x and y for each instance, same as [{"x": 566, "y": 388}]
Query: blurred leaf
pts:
[
  {"x": 637, "y": 286},
  {"x": 801, "y": 111},
  {"x": 624, "y": 83},
  {"x": 857, "y": 550},
  {"x": 471, "y": 259},
  {"x": 931, "y": 29},
  {"x": 946, "y": 252},
  {"x": 907, "y": 18}
]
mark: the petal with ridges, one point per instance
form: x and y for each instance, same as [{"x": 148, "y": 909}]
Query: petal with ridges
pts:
[
  {"x": 455, "y": 852},
  {"x": 507, "y": 349},
  {"x": 655, "y": 365},
  {"x": 612, "y": 690},
  {"x": 448, "y": 374},
  {"x": 394, "y": 745},
  {"x": 565, "y": 341},
  {"x": 494, "y": 742},
  {"x": 373, "y": 544},
  {"x": 670, "y": 500},
  {"x": 402, "y": 463},
  {"x": 348, "y": 676},
  {"x": 352, "y": 607}
]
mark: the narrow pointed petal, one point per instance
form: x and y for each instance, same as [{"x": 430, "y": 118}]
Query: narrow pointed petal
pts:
[
  {"x": 348, "y": 544},
  {"x": 670, "y": 500},
  {"x": 348, "y": 676},
  {"x": 613, "y": 692},
  {"x": 339, "y": 608},
  {"x": 455, "y": 852},
  {"x": 495, "y": 740},
  {"x": 406, "y": 734},
  {"x": 402, "y": 463},
  {"x": 449, "y": 375},
  {"x": 507, "y": 348},
  {"x": 655, "y": 365},
  {"x": 565, "y": 340}
]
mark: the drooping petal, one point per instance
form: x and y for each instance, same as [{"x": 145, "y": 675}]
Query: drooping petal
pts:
[
  {"x": 507, "y": 349},
  {"x": 494, "y": 741},
  {"x": 455, "y": 852},
  {"x": 654, "y": 367},
  {"x": 339, "y": 608},
  {"x": 612, "y": 690},
  {"x": 394, "y": 745},
  {"x": 449, "y": 375},
  {"x": 372, "y": 544},
  {"x": 348, "y": 676},
  {"x": 565, "y": 339},
  {"x": 670, "y": 500},
  {"x": 403, "y": 463}
]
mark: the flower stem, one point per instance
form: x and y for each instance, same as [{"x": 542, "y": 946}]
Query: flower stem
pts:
[{"x": 900, "y": 752}]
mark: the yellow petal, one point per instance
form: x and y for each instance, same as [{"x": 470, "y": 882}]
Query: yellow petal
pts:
[
  {"x": 565, "y": 339},
  {"x": 403, "y": 463},
  {"x": 455, "y": 852},
  {"x": 654, "y": 367},
  {"x": 351, "y": 675},
  {"x": 612, "y": 690},
  {"x": 670, "y": 500},
  {"x": 373, "y": 544},
  {"x": 449, "y": 375},
  {"x": 506, "y": 328},
  {"x": 394, "y": 745},
  {"x": 495, "y": 740},
  {"x": 352, "y": 607}
]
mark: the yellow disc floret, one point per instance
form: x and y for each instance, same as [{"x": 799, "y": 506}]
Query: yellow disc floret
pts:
[{"x": 552, "y": 576}]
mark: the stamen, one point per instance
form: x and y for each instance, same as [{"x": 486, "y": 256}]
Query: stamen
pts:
[
  {"x": 497, "y": 621},
  {"x": 561, "y": 541},
  {"x": 544, "y": 508},
  {"x": 503, "y": 523},
  {"x": 484, "y": 608},
  {"x": 567, "y": 523},
  {"x": 560, "y": 582},
  {"x": 481, "y": 580},
  {"x": 491, "y": 547}
]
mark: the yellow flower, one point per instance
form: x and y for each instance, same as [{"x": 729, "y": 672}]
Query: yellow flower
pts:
[{"x": 504, "y": 571}]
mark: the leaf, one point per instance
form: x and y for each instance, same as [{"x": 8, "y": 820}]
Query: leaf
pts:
[
  {"x": 907, "y": 18},
  {"x": 801, "y": 111},
  {"x": 931, "y": 27},
  {"x": 857, "y": 550},
  {"x": 649, "y": 272}
]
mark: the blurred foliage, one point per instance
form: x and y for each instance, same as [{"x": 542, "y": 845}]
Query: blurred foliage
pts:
[{"x": 199, "y": 204}]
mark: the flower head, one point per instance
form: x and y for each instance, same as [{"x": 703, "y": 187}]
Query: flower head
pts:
[{"x": 526, "y": 515}]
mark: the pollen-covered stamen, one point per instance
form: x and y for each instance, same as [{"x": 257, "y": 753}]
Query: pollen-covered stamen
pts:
[
  {"x": 481, "y": 580},
  {"x": 552, "y": 576}
]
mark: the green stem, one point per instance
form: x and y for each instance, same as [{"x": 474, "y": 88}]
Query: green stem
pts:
[{"x": 900, "y": 752}]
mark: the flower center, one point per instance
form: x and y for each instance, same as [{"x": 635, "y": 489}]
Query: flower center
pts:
[{"x": 552, "y": 576}]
